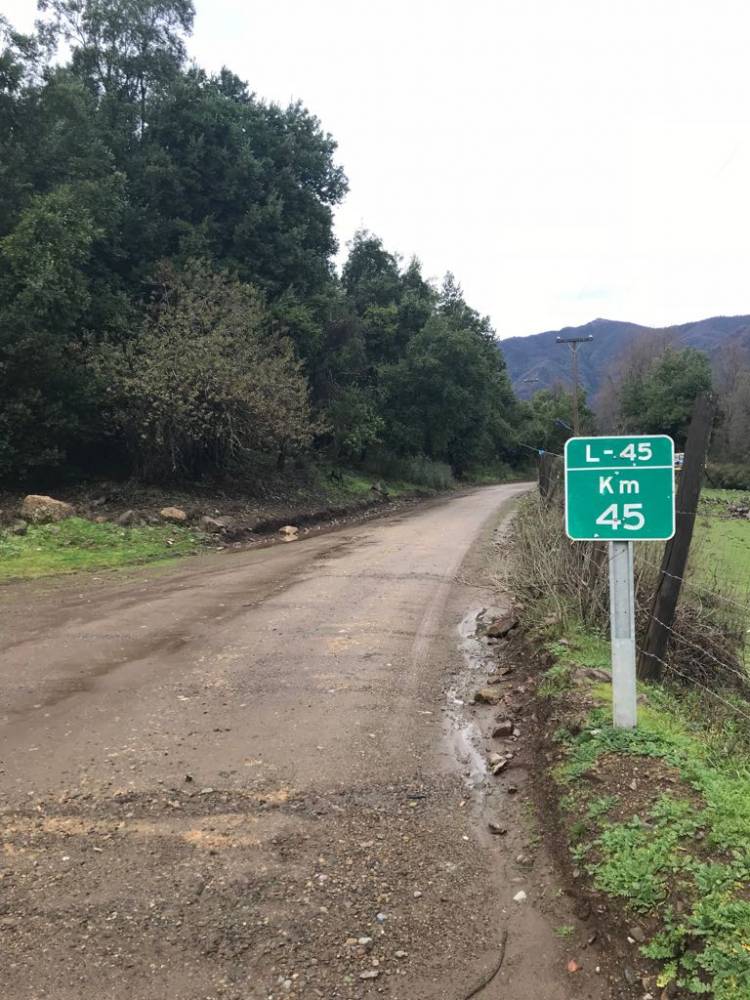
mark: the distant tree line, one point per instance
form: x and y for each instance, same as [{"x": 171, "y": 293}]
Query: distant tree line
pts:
[
  {"x": 168, "y": 300},
  {"x": 653, "y": 389},
  {"x": 655, "y": 386}
]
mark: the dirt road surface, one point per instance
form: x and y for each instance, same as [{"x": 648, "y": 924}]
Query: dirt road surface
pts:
[{"x": 251, "y": 775}]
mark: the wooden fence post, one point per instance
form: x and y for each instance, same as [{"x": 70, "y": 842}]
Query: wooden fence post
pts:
[
  {"x": 544, "y": 474},
  {"x": 674, "y": 561}
]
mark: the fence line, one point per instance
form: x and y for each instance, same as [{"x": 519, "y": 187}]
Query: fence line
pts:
[
  {"x": 704, "y": 594},
  {"x": 671, "y": 668},
  {"x": 697, "y": 586},
  {"x": 705, "y": 652}
]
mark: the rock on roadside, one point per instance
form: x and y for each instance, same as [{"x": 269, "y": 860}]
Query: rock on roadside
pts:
[
  {"x": 212, "y": 525},
  {"x": 45, "y": 510},
  {"x": 501, "y": 626},
  {"x": 289, "y": 533},
  {"x": 487, "y": 696},
  {"x": 128, "y": 518},
  {"x": 175, "y": 515}
]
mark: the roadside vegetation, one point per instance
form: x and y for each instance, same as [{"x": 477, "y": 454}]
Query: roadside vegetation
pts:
[
  {"x": 657, "y": 820},
  {"x": 172, "y": 319},
  {"x": 78, "y": 544},
  {"x": 185, "y": 322},
  {"x": 720, "y": 554}
]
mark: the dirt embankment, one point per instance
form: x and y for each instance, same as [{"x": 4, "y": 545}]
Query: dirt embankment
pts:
[{"x": 231, "y": 516}]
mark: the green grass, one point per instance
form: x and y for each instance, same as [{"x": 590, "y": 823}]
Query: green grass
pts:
[
  {"x": 352, "y": 485},
  {"x": 356, "y": 485},
  {"x": 76, "y": 544},
  {"x": 585, "y": 647},
  {"x": 692, "y": 842},
  {"x": 720, "y": 553}
]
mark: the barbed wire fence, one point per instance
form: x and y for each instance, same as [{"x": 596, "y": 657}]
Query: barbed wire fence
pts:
[{"x": 708, "y": 640}]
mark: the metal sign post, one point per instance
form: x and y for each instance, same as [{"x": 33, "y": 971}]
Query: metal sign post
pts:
[
  {"x": 620, "y": 489},
  {"x": 622, "y": 625}
]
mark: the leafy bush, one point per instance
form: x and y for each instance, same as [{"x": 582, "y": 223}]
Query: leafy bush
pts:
[
  {"x": 728, "y": 476},
  {"x": 419, "y": 471},
  {"x": 207, "y": 382},
  {"x": 495, "y": 472}
]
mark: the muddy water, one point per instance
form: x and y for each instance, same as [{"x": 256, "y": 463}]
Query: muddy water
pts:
[{"x": 463, "y": 733}]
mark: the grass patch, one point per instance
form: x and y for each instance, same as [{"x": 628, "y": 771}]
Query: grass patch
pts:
[
  {"x": 722, "y": 555},
  {"x": 77, "y": 544},
  {"x": 344, "y": 485},
  {"x": 673, "y": 844},
  {"x": 586, "y": 647}
]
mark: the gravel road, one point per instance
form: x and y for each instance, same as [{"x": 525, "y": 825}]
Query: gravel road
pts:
[{"x": 247, "y": 776}]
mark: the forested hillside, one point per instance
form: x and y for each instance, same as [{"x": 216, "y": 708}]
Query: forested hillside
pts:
[
  {"x": 169, "y": 305},
  {"x": 540, "y": 359}
]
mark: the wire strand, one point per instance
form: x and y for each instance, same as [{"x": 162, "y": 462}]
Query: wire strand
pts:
[
  {"x": 705, "y": 652},
  {"x": 673, "y": 669},
  {"x": 696, "y": 586}
]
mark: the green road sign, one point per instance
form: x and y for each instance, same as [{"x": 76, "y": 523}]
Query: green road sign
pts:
[{"x": 619, "y": 488}]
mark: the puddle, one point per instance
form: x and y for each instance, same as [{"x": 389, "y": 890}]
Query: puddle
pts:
[
  {"x": 473, "y": 649},
  {"x": 464, "y": 737}
]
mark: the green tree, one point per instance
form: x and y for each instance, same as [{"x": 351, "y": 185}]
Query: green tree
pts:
[
  {"x": 449, "y": 397},
  {"x": 660, "y": 398},
  {"x": 207, "y": 384},
  {"x": 224, "y": 175},
  {"x": 546, "y": 421},
  {"x": 48, "y": 293},
  {"x": 123, "y": 49},
  {"x": 355, "y": 423}
]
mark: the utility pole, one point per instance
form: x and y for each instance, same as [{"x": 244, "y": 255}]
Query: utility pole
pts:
[
  {"x": 573, "y": 343},
  {"x": 525, "y": 381}
]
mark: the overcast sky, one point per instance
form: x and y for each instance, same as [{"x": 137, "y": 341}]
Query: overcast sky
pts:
[{"x": 566, "y": 160}]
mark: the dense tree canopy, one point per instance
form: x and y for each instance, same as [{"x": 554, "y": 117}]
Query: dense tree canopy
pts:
[
  {"x": 660, "y": 396},
  {"x": 167, "y": 288},
  {"x": 547, "y": 419}
]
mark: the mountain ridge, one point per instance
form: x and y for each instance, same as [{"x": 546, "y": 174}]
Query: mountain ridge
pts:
[{"x": 538, "y": 362}]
